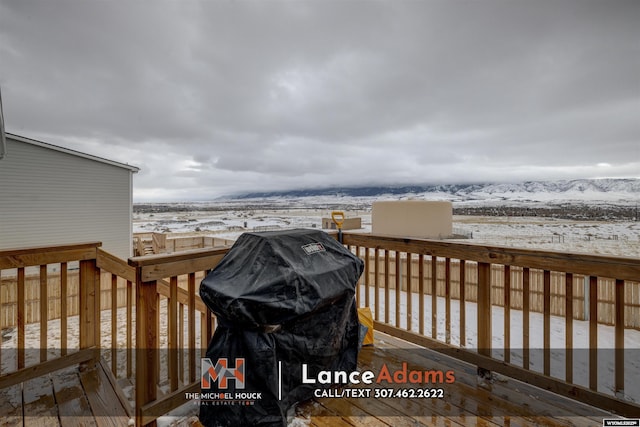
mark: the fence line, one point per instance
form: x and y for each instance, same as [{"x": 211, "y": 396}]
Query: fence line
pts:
[{"x": 9, "y": 296}]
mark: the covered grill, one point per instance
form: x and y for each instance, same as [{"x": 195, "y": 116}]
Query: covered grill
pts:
[{"x": 282, "y": 299}]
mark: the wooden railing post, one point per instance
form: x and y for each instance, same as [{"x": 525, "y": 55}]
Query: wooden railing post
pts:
[
  {"x": 159, "y": 242},
  {"x": 147, "y": 357}
]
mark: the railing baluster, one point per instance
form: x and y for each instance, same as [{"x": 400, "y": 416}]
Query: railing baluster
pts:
[
  {"x": 593, "y": 332},
  {"x": 114, "y": 324},
  {"x": 507, "y": 313},
  {"x": 569, "y": 327},
  {"x": 129, "y": 329},
  {"x": 463, "y": 305},
  {"x": 386, "y": 286},
  {"x": 447, "y": 296},
  {"x": 421, "y": 293},
  {"x": 44, "y": 312},
  {"x": 526, "y": 276},
  {"x": 619, "y": 338},
  {"x": 366, "y": 277},
  {"x": 191, "y": 283},
  {"x": 547, "y": 322},
  {"x": 157, "y": 346},
  {"x": 173, "y": 332},
  {"x": 360, "y": 280},
  {"x": 484, "y": 308},
  {"x": 434, "y": 297},
  {"x": 181, "y": 342},
  {"x": 376, "y": 283},
  {"x": 409, "y": 294},
  {"x": 21, "y": 318},
  {"x": 398, "y": 288},
  {"x": 63, "y": 308}
]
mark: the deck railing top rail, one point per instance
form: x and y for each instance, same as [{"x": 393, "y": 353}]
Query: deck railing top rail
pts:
[
  {"x": 624, "y": 268},
  {"x": 157, "y": 267},
  {"x": 29, "y": 257}
]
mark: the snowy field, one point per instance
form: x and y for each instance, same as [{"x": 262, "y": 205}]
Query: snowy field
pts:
[
  {"x": 619, "y": 238},
  {"x": 229, "y": 219}
]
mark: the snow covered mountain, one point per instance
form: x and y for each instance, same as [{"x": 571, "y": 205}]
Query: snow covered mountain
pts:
[{"x": 618, "y": 191}]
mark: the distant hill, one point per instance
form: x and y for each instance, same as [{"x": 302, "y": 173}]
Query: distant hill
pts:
[{"x": 609, "y": 190}]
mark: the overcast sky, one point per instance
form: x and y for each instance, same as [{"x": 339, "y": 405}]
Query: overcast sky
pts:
[{"x": 213, "y": 97}]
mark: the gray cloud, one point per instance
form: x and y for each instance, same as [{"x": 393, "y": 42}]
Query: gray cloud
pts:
[{"x": 213, "y": 97}]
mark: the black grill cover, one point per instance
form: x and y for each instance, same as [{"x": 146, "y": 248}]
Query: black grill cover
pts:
[{"x": 281, "y": 299}]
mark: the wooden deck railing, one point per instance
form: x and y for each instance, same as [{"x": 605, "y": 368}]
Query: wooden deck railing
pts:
[
  {"x": 170, "y": 317},
  {"x": 33, "y": 354},
  {"x": 384, "y": 287},
  {"x": 142, "y": 337},
  {"x": 156, "y": 339}
]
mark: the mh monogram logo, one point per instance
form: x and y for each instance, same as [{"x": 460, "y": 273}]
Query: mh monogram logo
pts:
[{"x": 221, "y": 373}]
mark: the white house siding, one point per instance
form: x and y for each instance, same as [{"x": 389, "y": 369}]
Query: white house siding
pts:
[{"x": 52, "y": 197}]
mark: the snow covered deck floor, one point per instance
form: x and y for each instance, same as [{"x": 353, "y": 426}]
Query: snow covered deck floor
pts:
[
  {"x": 502, "y": 402},
  {"x": 68, "y": 397}
]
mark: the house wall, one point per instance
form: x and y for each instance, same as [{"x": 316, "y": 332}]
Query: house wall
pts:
[
  {"x": 413, "y": 218},
  {"x": 50, "y": 197}
]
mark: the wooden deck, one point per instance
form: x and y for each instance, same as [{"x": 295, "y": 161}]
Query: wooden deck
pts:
[
  {"x": 73, "y": 398},
  {"x": 70, "y": 397},
  {"x": 499, "y": 402}
]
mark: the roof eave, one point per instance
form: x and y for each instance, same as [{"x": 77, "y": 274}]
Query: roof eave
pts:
[{"x": 35, "y": 142}]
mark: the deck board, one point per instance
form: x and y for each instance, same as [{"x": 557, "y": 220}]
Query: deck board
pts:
[
  {"x": 460, "y": 398},
  {"x": 11, "y": 406},
  {"x": 65, "y": 398},
  {"x": 70, "y": 398},
  {"x": 355, "y": 415},
  {"x": 39, "y": 406},
  {"x": 104, "y": 401},
  {"x": 73, "y": 406},
  {"x": 514, "y": 397},
  {"x": 502, "y": 402}
]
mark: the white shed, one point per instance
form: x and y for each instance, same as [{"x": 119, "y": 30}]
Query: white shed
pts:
[
  {"x": 53, "y": 195},
  {"x": 425, "y": 219}
]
